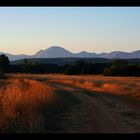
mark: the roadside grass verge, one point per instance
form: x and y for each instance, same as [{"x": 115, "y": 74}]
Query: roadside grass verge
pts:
[
  {"x": 124, "y": 89},
  {"x": 29, "y": 106}
]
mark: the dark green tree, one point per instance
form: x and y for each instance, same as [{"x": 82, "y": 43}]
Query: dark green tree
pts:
[
  {"x": 4, "y": 63},
  {"x": 122, "y": 68},
  {"x": 26, "y": 66},
  {"x": 80, "y": 65},
  {"x": 119, "y": 63}
]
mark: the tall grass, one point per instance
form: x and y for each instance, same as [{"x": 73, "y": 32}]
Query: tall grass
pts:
[
  {"x": 22, "y": 104},
  {"x": 126, "y": 88}
]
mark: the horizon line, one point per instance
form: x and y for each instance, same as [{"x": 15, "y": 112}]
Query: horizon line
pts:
[{"x": 70, "y": 51}]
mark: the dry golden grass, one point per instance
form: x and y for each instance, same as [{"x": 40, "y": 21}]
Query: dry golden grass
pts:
[
  {"x": 21, "y": 105},
  {"x": 127, "y": 86}
]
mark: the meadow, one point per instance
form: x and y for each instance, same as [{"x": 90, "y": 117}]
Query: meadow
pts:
[
  {"x": 124, "y": 86},
  {"x": 31, "y": 103}
]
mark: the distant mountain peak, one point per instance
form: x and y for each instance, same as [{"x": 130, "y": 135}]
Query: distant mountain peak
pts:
[
  {"x": 137, "y": 51},
  {"x": 55, "y": 47},
  {"x": 116, "y": 52},
  {"x": 54, "y": 52},
  {"x": 83, "y": 52}
]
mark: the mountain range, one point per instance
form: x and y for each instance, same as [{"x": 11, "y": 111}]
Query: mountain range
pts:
[{"x": 59, "y": 52}]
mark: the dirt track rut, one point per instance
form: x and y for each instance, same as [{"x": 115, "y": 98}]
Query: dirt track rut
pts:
[{"x": 97, "y": 113}]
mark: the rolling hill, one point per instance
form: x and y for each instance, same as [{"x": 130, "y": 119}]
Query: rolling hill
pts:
[{"x": 59, "y": 52}]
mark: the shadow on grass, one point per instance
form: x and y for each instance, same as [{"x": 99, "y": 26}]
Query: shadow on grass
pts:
[
  {"x": 53, "y": 112},
  {"x": 40, "y": 117}
]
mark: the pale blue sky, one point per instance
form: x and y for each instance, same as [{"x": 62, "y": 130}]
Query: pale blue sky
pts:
[{"x": 94, "y": 29}]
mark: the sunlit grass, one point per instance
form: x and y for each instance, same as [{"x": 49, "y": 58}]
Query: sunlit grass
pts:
[
  {"x": 112, "y": 85},
  {"x": 30, "y": 106},
  {"x": 22, "y": 103},
  {"x": 127, "y": 86}
]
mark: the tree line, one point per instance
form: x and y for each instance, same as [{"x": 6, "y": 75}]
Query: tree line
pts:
[
  {"x": 29, "y": 67},
  {"x": 116, "y": 68},
  {"x": 122, "y": 68},
  {"x": 81, "y": 67}
]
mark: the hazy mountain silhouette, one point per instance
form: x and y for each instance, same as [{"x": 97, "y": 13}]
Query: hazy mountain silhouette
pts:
[
  {"x": 15, "y": 57},
  {"x": 85, "y": 54},
  {"x": 115, "y": 54},
  {"x": 59, "y": 52},
  {"x": 53, "y": 52},
  {"x": 120, "y": 54}
]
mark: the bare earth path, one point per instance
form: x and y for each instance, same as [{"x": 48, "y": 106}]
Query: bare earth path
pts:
[{"x": 97, "y": 113}]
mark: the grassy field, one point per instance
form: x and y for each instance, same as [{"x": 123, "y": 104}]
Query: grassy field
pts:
[
  {"x": 29, "y": 106},
  {"x": 124, "y": 86},
  {"x": 36, "y": 103}
]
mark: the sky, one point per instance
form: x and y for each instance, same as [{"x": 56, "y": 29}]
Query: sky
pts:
[{"x": 26, "y": 30}]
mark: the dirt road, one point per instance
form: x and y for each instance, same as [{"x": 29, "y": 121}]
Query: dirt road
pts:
[{"x": 97, "y": 113}]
